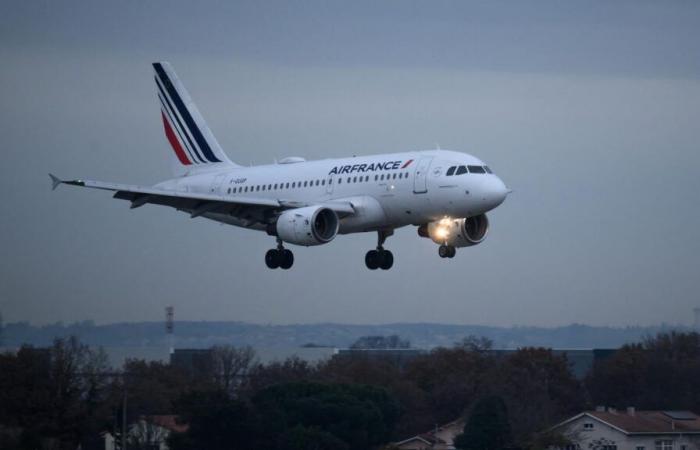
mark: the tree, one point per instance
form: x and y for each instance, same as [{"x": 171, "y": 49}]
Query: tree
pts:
[
  {"x": 487, "y": 427},
  {"x": 55, "y": 394},
  {"x": 659, "y": 373},
  {"x": 302, "y": 438},
  {"x": 360, "y": 416},
  {"x": 452, "y": 379},
  {"x": 539, "y": 389},
  {"x": 473, "y": 343},
  {"x": 216, "y": 422},
  {"x": 290, "y": 370},
  {"x": 230, "y": 365}
]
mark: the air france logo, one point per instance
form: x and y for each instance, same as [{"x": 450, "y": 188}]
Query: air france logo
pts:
[{"x": 372, "y": 167}]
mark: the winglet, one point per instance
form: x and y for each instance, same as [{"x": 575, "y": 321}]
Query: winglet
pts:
[{"x": 55, "y": 181}]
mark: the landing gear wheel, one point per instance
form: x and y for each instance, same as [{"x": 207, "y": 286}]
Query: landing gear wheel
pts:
[
  {"x": 453, "y": 252},
  {"x": 444, "y": 251},
  {"x": 286, "y": 259},
  {"x": 380, "y": 258},
  {"x": 272, "y": 258},
  {"x": 386, "y": 260},
  {"x": 372, "y": 260}
]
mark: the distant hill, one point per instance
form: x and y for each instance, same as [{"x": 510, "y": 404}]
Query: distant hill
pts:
[{"x": 421, "y": 335}]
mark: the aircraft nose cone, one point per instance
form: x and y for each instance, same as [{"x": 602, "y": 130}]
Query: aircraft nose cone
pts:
[{"x": 495, "y": 192}]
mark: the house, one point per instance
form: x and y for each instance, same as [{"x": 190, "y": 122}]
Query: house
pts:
[
  {"x": 610, "y": 429},
  {"x": 149, "y": 432},
  {"x": 441, "y": 438}
]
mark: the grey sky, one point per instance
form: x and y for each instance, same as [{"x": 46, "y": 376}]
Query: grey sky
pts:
[{"x": 590, "y": 111}]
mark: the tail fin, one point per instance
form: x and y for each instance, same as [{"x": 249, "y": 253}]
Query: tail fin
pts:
[{"x": 195, "y": 147}]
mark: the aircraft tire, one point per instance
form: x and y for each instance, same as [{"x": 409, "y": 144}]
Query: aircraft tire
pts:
[
  {"x": 452, "y": 253},
  {"x": 444, "y": 251},
  {"x": 386, "y": 260},
  {"x": 372, "y": 260},
  {"x": 272, "y": 258},
  {"x": 286, "y": 259}
]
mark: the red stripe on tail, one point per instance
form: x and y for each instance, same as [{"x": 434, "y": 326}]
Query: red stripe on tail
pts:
[{"x": 174, "y": 142}]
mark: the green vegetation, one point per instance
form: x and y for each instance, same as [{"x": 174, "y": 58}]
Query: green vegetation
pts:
[{"x": 65, "y": 395}]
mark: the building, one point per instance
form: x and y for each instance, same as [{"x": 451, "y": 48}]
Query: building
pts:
[
  {"x": 398, "y": 357},
  {"x": 609, "y": 429},
  {"x": 441, "y": 438},
  {"x": 149, "y": 432}
]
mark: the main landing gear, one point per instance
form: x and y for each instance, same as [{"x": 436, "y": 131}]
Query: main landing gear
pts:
[
  {"x": 380, "y": 258},
  {"x": 279, "y": 257},
  {"x": 447, "y": 251}
]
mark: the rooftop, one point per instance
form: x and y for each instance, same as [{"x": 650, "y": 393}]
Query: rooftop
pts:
[{"x": 658, "y": 422}]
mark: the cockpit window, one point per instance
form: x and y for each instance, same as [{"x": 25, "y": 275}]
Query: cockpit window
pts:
[
  {"x": 486, "y": 168},
  {"x": 451, "y": 171},
  {"x": 476, "y": 169},
  {"x": 461, "y": 170}
]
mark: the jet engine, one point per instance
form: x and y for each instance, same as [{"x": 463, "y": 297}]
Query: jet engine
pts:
[
  {"x": 457, "y": 232},
  {"x": 311, "y": 225}
]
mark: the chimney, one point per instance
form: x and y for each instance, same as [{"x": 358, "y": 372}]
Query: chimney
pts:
[
  {"x": 612, "y": 410},
  {"x": 631, "y": 411},
  {"x": 600, "y": 409}
]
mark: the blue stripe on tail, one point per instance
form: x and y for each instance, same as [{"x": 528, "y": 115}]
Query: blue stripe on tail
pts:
[{"x": 185, "y": 114}]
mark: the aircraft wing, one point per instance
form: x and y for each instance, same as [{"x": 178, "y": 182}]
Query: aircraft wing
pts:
[{"x": 253, "y": 209}]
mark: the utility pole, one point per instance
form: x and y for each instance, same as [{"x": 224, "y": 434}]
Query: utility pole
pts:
[{"x": 125, "y": 429}]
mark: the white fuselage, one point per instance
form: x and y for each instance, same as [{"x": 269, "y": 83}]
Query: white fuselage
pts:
[{"x": 387, "y": 190}]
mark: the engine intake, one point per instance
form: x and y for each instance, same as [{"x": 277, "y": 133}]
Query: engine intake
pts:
[
  {"x": 457, "y": 232},
  {"x": 311, "y": 225}
]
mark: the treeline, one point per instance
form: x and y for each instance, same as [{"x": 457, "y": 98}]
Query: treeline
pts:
[{"x": 65, "y": 395}]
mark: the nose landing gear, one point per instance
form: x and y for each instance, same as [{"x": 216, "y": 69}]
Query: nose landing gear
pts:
[
  {"x": 279, "y": 257},
  {"x": 447, "y": 251},
  {"x": 380, "y": 258}
]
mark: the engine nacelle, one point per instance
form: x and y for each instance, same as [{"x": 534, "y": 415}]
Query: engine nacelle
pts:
[
  {"x": 457, "y": 232},
  {"x": 311, "y": 225}
]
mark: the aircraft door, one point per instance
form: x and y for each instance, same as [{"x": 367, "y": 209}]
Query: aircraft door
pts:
[
  {"x": 420, "y": 176},
  {"x": 329, "y": 183}
]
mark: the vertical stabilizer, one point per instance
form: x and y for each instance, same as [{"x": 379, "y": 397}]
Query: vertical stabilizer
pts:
[{"x": 194, "y": 146}]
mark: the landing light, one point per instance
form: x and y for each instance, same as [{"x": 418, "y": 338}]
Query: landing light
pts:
[{"x": 441, "y": 232}]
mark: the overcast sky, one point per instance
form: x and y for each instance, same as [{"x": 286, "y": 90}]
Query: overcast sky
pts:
[{"x": 589, "y": 110}]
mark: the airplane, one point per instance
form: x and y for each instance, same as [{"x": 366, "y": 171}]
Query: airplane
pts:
[{"x": 445, "y": 194}]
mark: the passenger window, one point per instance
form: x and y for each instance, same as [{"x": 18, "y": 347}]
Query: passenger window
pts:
[
  {"x": 257, "y": 188},
  {"x": 317, "y": 182},
  {"x": 229, "y": 190},
  {"x": 354, "y": 180},
  {"x": 486, "y": 168},
  {"x": 461, "y": 170},
  {"x": 348, "y": 180},
  {"x": 306, "y": 183},
  {"x": 376, "y": 177},
  {"x": 323, "y": 182},
  {"x": 451, "y": 171},
  {"x": 382, "y": 177},
  {"x": 394, "y": 177},
  {"x": 340, "y": 181},
  {"x": 476, "y": 169},
  {"x": 263, "y": 187}
]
